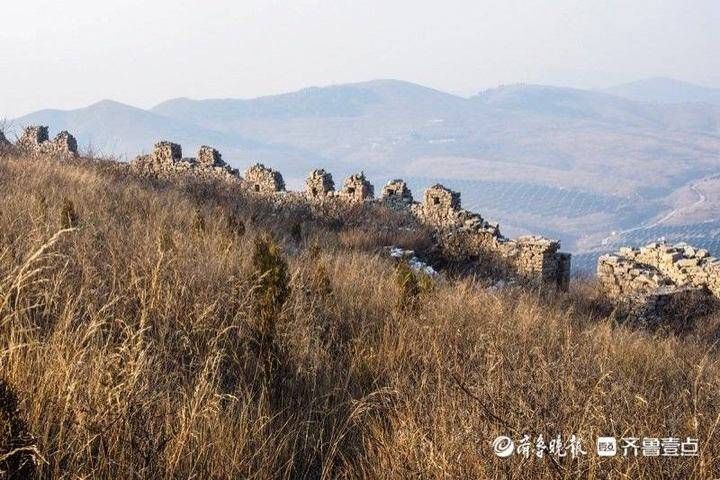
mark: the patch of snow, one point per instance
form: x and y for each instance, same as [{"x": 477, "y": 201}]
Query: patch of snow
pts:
[{"x": 413, "y": 261}]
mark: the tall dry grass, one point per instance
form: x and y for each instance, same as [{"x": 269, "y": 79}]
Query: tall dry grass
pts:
[{"x": 131, "y": 332}]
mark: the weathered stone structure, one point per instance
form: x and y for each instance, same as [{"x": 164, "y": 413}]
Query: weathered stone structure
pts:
[
  {"x": 656, "y": 281},
  {"x": 208, "y": 157},
  {"x": 459, "y": 233},
  {"x": 262, "y": 179},
  {"x": 357, "y": 188},
  {"x": 63, "y": 144},
  {"x": 466, "y": 234},
  {"x": 32, "y": 138},
  {"x": 633, "y": 270},
  {"x": 319, "y": 185},
  {"x": 167, "y": 160},
  {"x": 397, "y": 192},
  {"x": 35, "y": 140}
]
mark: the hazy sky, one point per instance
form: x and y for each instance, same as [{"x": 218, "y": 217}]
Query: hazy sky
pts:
[{"x": 71, "y": 53}]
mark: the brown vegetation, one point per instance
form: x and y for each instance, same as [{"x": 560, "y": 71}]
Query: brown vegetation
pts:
[{"x": 160, "y": 330}]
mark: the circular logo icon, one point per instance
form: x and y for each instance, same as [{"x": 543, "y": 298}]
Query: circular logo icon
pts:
[{"x": 503, "y": 446}]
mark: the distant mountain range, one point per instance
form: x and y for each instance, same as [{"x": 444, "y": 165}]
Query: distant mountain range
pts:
[
  {"x": 666, "y": 90},
  {"x": 629, "y": 146}
]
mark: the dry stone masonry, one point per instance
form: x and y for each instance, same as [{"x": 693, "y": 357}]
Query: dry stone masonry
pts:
[
  {"x": 35, "y": 140},
  {"x": 357, "y": 188},
  {"x": 32, "y": 138},
  {"x": 319, "y": 185},
  {"x": 659, "y": 279},
  {"x": 396, "y": 192},
  {"x": 657, "y": 265},
  {"x": 530, "y": 257},
  {"x": 458, "y": 230},
  {"x": 466, "y": 233},
  {"x": 167, "y": 160},
  {"x": 262, "y": 179}
]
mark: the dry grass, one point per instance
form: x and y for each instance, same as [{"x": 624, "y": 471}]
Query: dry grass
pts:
[{"x": 130, "y": 339}]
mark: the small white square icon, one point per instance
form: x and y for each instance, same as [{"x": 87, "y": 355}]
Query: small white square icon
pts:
[{"x": 606, "y": 446}]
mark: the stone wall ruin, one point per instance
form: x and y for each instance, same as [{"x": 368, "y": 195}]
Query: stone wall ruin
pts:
[
  {"x": 319, "y": 185},
  {"x": 457, "y": 230},
  {"x": 261, "y": 179},
  {"x": 357, "y": 188},
  {"x": 166, "y": 160},
  {"x": 655, "y": 281},
  {"x": 35, "y": 140},
  {"x": 397, "y": 192},
  {"x": 467, "y": 234}
]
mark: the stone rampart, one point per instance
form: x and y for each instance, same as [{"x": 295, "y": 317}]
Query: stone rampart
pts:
[
  {"x": 166, "y": 160},
  {"x": 467, "y": 234},
  {"x": 458, "y": 231}
]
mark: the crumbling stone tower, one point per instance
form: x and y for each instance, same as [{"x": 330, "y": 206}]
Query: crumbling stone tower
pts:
[
  {"x": 357, "y": 188},
  {"x": 64, "y": 144},
  {"x": 319, "y": 184},
  {"x": 396, "y": 191},
  {"x": 209, "y": 157},
  {"x": 167, "y": 152},
  {"x": 262, "y": 179},
  {"x": 440, "y": 205},
  {"x": 32, "y": 138}
]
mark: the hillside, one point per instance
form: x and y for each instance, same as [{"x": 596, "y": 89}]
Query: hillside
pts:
[
  {"x": 574, "y": 148},
  {"x": 666, "y": 90},
  {"x": 577, "y": 147},
  {"x": 175, "y": 329}
]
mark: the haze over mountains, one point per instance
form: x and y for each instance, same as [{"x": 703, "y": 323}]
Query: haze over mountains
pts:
[{"x": 575, "y": 164}]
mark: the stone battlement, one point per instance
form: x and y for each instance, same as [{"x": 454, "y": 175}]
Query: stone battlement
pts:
[
  {"x": 396, "y": 192},
  {"x": 35, "y": 140},
  {"x": 167, "y": 160},
  {"x": 459, "y": 232},
  {"x": 319, "y": 185}
]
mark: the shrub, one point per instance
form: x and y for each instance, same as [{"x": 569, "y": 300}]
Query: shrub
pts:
[
  {"x": 272, "y": 289},
  {"x": 408, "y": 287},
  {"x": 68, "y": 214}
]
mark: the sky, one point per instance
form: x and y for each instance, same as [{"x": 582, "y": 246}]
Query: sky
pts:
[{"x": 72, "y": 53}]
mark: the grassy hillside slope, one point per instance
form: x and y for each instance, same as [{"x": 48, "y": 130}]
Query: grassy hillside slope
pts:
[{"x": 155, "y": 330}]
